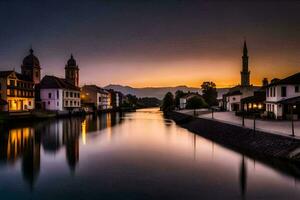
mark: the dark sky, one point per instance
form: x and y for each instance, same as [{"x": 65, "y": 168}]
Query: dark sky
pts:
[{"x": 153, "y": 43}]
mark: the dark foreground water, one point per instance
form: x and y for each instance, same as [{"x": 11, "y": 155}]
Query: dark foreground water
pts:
[{"x": 137, "y": 155}]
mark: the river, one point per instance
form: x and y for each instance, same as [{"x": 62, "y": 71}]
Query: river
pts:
[{"x": 138, "y": 155}]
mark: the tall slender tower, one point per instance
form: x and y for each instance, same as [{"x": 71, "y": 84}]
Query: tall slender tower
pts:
[
  {"x": 245, "y": 73},
  {"x": 72, "y": 71}
]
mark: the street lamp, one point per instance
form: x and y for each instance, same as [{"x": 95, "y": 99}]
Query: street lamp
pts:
[{"x": 292, "y": 119}]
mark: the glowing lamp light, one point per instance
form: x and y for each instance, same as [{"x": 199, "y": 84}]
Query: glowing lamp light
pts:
[
  {"x": 259, "y": 106},
  {"x": 254, "y": 105}
]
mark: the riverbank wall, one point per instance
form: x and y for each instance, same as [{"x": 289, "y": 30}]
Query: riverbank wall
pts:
[{"x": 258, "y": 144}]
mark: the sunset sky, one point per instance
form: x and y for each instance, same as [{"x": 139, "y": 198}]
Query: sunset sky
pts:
[{"x": 153, "y": 43}]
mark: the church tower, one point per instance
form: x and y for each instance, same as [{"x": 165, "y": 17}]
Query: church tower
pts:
[
  {"x": 72, "y": 71},
  {"x": 245, "y": 73},
  {"x": 31, "y": 67}
]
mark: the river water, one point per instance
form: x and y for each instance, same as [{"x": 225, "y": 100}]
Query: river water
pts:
[{"x": 139, "y": 155}]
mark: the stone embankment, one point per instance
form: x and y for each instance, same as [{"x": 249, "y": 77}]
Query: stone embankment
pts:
[{"x": 258, "y": 144}]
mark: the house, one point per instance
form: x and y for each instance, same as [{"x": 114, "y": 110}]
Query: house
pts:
[
  {"x": 63, "y": 95},
  {"x": 283, "y": 97},
  {"x": 255, "y": 103},
  {"x": 58, "y": 94},
  {"x": 184, "y": 99},
  {"x": 17, "y": 92},
  {"x": 115, "y": 98},
  {"x": 94, "y": 98}
]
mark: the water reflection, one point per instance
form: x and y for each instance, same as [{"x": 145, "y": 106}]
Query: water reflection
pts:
[
  {"x": 132, "y": 156},
  {"x": 25, "y": 143},
  {"x": 243, "y": 177}
]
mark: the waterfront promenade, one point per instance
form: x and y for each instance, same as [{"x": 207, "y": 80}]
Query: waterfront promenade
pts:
[{"x": 271, "y": 126}]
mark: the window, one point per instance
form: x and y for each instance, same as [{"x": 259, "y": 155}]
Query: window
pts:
[
  {"x": 48, "y": 102},
  {"x": 67, "y": 103},
  {"x": 71, "y": 103},
  {"x": 29, "y": 103},
  {"x": 12, "y": 82},
  {"x": 274, "y": 91},
  {"x": 283, "y": 91},
  {"x": 296, "y": 88},
  {"x": 67, "y": 94},
  {"x": 57, "y": 94},
  {"x": 49, "y": 95},
  {"x": 57, "y": 104},
  {"x": 71, "y": 94}
]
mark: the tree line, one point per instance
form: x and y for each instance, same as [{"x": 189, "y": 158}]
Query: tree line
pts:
[{"x": 206, "y": 100}]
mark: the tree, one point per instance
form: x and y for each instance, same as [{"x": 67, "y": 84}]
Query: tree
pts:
[
  {"x": 178, "y": 95},
  {"x": 209, "y": 93},
  {"x": 168, "y": 102},
  {"x": 195, "y": 103}
]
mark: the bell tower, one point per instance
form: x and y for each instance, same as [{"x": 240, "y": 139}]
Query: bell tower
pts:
[
  {"x": 245, "y": 73},
  {"x": 31, "y": 67},
  {"x": 72, "y": 71}
]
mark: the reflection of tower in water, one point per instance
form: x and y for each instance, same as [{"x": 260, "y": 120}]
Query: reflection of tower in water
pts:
[
  {"x": 71, "y": 133},
  {"x": 243, "y": 177}
]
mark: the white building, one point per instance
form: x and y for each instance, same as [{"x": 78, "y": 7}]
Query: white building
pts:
[
  {"x": 58, "y": 94},
  {"x": 283, "y": 97}
]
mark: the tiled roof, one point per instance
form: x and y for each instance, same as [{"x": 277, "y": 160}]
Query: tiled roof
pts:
[
  {"x": 95, "y": 88},
  {"x": 53, "y": 82},
  {"x": 4, "y": 74},
  {"x": 291, "y": 80}
]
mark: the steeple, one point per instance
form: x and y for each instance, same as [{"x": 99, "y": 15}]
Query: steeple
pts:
[
  {"x": 245, "y": 73},
  {"x": 245, "y": 50},
  {"x": 72, "y": 71}
]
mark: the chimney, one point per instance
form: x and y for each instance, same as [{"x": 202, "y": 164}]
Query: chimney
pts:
[{"x": 265, "y": 82}]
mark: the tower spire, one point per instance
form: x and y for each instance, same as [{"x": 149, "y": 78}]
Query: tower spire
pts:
[
  {"x": 245, "y": 73},
  {"x": 245, "y": 49}
]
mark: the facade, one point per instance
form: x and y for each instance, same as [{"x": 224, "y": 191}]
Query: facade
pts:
[
  {"x": 17, "y": 92},
  {"x": 283, "y": 97},
  {"x": 94, "y": 97},
  {"x": 59, "y": 95},
  {"x": 255, "y": 103},
  {"x": 115, "y": 99}
]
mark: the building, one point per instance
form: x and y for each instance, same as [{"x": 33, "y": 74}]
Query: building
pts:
[
  {"x": 232, "y": 99},
  {"x": 94, "y": 98},
  {"x": 57, "y": 94},
  {"x": 115, "y": 99},
  {"x": 283, "y": 97},
  {"x": 255, "y": 103},
  {"x": 17, "y": 92},
  {"x": 183, "y": 100}
]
